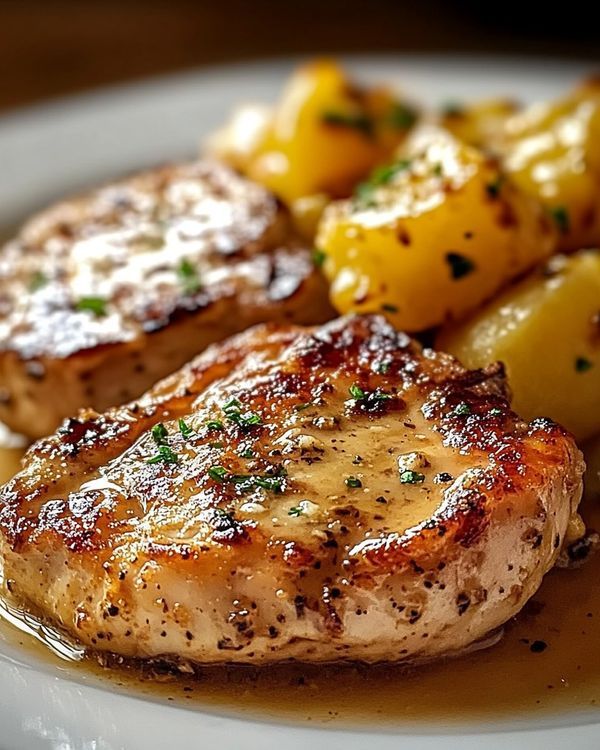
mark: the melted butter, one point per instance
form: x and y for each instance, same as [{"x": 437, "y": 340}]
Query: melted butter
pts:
[{"x": 516, "y": 677}]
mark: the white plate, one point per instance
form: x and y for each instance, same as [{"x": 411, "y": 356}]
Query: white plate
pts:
[{"x": 51, "y": 149}]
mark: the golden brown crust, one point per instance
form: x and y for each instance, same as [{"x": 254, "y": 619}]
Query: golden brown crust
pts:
[
  {"x": 105, "y": 294},
  {"x": 338, "y": 459}
]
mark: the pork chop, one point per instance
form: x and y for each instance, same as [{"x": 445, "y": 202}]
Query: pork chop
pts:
[
  {"x": 103, "y": 295},
  {"x": 314, "y": 494}
]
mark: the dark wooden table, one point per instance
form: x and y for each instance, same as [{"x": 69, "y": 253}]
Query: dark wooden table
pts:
[{"x": 52, "y": 47}]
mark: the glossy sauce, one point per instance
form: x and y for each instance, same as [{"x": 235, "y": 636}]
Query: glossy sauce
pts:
[{"x": 548, "y": 661}]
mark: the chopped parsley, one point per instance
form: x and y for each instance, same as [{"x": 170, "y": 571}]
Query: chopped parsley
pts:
[
  {"x": 354, "y": 120},
  {"x": 185, "y": 429},
  {"x": 369, "y": 401},
  {"x": 159, "y": 434},
  {"x": 245, "y": 420},
  {"x": 303, "y": 406},
  {"x": 37, "y": 281},
  {"x": 386, "y": 307},
  {"x": 494, "y": 187},
  {"x": 582, "y": 364},
  {"x": 214, "y": 425},
  {"x": 461, "y": 410},
  {"x": 218, "y": 473},
  {"x": 402, "y": 116},
  {"x": 411, "y": 477},
  {"x": 296, "y": 511},
  {"x": 248, "y": 482},
  {"x": 95, "y": 305},
  {"x": 460, "y": 265},
  {"x": 561, "y": 218},
  {"x": 384, "y": 175},
  {"x": 365, "y": 191},
  {"x": 318, "y": 257},
  {"x": 356, "y": 391},
  {"x": 382, "y": 368},
  {"x": 438, "y": 170},
  {"x": 188, "y": 276},
  {"x": 364, "y": 195},
  {"x": 165, "y": 454},
  {"x": 353, "y": 482},
  {"x": 247, "y": 453},
  {"x": 495, "y": 412}
]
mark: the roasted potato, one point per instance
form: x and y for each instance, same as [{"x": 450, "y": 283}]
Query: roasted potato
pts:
[
  {"x": 553, "y": 152},
  {"x": 431, "y": 236},
  {"x": 546, "y": 330},
  {"x": 323, "y": 136}
]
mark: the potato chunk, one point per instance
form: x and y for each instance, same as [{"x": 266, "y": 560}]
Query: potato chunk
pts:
[
  {"x": 323, "y": 136},
  {"x": 552, "y": 151},
  {"x": 546, "y": 330},
  {"x": 431, "y": 236}
]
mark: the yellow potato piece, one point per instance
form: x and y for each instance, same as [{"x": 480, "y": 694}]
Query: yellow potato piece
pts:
[
  {"x": 431, "y": 237},
  {"x": 323, "y": 135},
  {"x": 552, "y": 151},
  {"x": 546, "y": 330}
]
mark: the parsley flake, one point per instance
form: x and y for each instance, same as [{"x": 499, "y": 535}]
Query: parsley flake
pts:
[
  {"x": 582, "y": 364},
  {"x": 185, "y": 429},
  {"x": 159, "y": 434},
  {"x": 411, "y": 477},
  {"x": 95, "y": 305},
  {"x": 188, "y": 276},
  {"x": 248, "y": 482},
  {"x": 218, "y": 473},
  {"x": 369, "y": 401},
  {"x": 364, "y": 193},
  {"x": 214, "y": 425},
  {"x": 460, "y": 265},
  {"x": 384, "y": 175},
  {"x": 296, "y": 511},
  {"x": 356, "y": 391},
  {"x": 245, "y": 420},
  {"x": 382, "y": 368},
  {"x": 561, "y": 218},
  {"x": 387, "y": 307},
  {"x": 354, "y": 120},
  {"x": 318, "y": 257},
  {"x": 353, "y": 482},
  {"x": 494, "y": 187},
  {"x": 461, "y": 410},
  {"x": 402, "y": 116},
  {"x": 165, "y": 454},
  {"x": 37, "y": 281}
]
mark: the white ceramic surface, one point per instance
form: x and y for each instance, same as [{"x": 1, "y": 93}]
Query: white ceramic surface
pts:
[{"x": 48, "y": 150}]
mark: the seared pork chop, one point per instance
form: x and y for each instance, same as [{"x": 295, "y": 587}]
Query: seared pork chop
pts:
[
  {"x": 315, "y": 494},
  {"x": 103, "y": 295}
]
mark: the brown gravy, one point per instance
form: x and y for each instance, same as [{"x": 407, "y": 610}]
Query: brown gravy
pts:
[{"x": 548, "y": 661}]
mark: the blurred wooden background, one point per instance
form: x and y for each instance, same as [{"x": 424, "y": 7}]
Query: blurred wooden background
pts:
[{"x": 53, "y": 47}]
